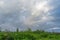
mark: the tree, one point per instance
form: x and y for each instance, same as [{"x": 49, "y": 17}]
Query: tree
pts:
[
  {"x": 29, "y": 30},
  {"x": 0, "y": 29},
  {"x": 17, "y": 30}
]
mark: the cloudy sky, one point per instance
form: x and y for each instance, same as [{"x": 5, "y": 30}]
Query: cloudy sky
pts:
[{"x": 34, "y": 14}]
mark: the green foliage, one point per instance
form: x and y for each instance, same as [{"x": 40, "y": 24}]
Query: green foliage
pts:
[{"x": 29, "y": 35}]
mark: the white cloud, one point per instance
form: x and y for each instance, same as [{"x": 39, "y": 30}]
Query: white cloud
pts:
[
  {"x": 1, "y": 3},
  {"x": 55, "y": 28},
  {"x": 39, "y": 9},
  {"x": 31, "y": 11}
]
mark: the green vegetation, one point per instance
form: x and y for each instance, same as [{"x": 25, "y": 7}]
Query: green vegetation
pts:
[{"x": 29, "y": 35}]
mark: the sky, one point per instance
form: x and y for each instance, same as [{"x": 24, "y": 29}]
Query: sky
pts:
[{"x": 34, "y": 14}]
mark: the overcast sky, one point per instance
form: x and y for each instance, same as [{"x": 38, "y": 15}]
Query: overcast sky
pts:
[{"x": 34, "y": 14}]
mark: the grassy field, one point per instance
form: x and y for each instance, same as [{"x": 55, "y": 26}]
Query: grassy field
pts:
[{"x": 29, "y": 35}]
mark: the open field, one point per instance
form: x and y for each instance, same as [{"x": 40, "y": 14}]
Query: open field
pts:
[{"x": 29, "y": 35}]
